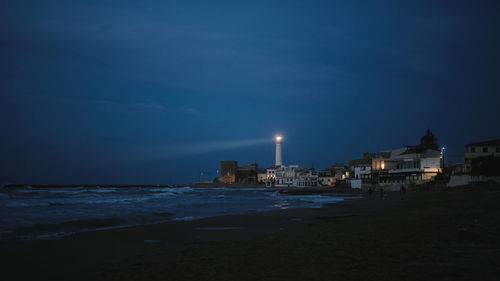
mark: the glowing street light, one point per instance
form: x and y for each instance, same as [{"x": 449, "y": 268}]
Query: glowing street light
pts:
[{"x": 442, "y": 157}]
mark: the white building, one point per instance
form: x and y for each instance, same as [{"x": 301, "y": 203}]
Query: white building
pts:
[
  {"x": 261, "y": 177},
  {"x": 305, "y": 178},
  {"x": 271, "y": 173},
  {"x": 292, "y": 176},
  {"x": 363, "y": 172},
  {"x": 411, "y": 164},
  {"x": 289, "y": 176},
  {"x": 285, "y": 175}
]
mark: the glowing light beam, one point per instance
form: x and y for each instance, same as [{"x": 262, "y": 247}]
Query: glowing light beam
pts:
[{"x": 202, "y": 147}]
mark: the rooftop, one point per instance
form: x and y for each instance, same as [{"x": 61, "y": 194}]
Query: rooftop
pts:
[{"x": 490, "y": 142}]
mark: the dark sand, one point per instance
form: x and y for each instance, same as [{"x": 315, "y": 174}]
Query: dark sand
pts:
[{"x": 448, "y": 234}]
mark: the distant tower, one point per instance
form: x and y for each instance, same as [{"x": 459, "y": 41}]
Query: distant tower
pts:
[{"x": 278, "y": 140}]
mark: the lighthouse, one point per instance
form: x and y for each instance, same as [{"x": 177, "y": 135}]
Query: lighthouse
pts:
[{"x": 278, "y": 139}]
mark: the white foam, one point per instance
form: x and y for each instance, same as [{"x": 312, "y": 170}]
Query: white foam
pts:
[
  {"x": 16, "y": 204},
  {"x": 164, "y": 194},
  {"x": 188, "y": 218},
  {"x": 104, "y": 190}
]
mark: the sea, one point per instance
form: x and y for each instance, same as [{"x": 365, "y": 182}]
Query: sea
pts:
[{"x": 28, "y": 213}]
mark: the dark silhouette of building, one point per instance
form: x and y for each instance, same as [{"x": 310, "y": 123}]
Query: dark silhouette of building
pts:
[
  {"x": 228, "y": 171},
  {"x": 479, "y": 155},
  {"x": 231, "y": 173},
  {"x": 247, "y": 173}
]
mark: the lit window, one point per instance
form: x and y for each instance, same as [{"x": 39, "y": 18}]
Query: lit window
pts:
[{"x": 382, "y": 165}]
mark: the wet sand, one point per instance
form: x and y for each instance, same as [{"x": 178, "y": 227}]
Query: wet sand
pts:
[{"x": 447, "y": 234}]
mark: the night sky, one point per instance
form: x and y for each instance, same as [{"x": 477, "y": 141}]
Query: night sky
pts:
[{"x": 128, "y": 92}]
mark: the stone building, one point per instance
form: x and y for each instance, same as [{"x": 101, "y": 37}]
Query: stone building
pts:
[
  {"x": 228, "y": 171},
  {"x": 232, "y": 173}
]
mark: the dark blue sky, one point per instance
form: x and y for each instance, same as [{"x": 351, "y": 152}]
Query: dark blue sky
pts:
[{"x": 132, "y": 92}]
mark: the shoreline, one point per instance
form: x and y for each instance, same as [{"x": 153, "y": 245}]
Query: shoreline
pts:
[
  {"x": 353, "y": 239},
  {"x": 59, "y": 230},
  {"x": 77, "y": 251}
]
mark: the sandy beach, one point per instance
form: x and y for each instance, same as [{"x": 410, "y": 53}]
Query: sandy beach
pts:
[{"x": 445, "y": 234}]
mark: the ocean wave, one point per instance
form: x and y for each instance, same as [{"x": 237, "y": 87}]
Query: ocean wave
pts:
[
  {"x": 17, "y": 204},
  {"x": 275, "y": 194},
  {"x": 165, "y": 190},
  {"x": 317, "y": 201},
  {"x": 24, "y": 190},
  {"x": 187, "y": 218},
  {"x": 282, "y": 205},
  {"x": 104, "y": 189},
  {"x": 255, "y": 189},
  {"x": 157, "y": 189},
  {"x": 181, "y": 189},
  {"x": 4, "y": 196},
  {"x": 56, "y": 235},
  {"x": 319, "y": 198},
  {"x": 85, "y": 209},
  {"x": 71, "y": 190},
  {"x": 163, "y": 194}
]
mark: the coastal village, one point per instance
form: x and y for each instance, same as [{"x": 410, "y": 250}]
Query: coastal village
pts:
[{"x": 390, "y": 169}]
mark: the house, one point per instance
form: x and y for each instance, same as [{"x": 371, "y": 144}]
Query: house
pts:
[
  {"x": 285, "y": 175},
  {"x": 261, "y": 176},
  {"x": 271, "y": 173},
  {"x": 305, "y": 178},
  {"x": 481, "y": 164},
  {"x": 479, "y": 152},
  {"x": 326, "y": 177},
  {"x": 232, "y": 173},
  {"x": 361, "y": 168},
  {"x": 291, "y": 176},
  {"x": 363, "y": 173},
  {"x": 413, "y": 164}
]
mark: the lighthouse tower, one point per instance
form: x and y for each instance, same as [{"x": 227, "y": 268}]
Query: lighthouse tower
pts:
[{"x": 278, "y": 140}]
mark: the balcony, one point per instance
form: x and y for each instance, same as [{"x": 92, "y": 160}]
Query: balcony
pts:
[{"x": 408, "y": 170}]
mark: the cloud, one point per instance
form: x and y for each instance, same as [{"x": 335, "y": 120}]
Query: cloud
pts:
[
  {"x": 118, "y": 106},
  {"x": 132, "y": 108},
  {"x": 190, "y": 111}
]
